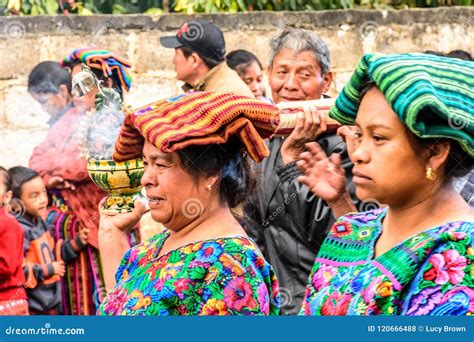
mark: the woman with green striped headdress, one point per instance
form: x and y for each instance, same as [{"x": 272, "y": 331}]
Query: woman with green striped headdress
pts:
[{"x": 413, "y": 118}]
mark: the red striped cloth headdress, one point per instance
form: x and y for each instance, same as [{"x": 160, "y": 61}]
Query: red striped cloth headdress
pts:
[{"x": 199, "y": 118}]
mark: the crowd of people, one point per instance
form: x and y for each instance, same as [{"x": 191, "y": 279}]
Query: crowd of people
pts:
[{"x": 281, "y": 226}]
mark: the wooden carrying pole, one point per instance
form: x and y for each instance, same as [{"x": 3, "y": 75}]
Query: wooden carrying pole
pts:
[{"x": 287, "y": 121}]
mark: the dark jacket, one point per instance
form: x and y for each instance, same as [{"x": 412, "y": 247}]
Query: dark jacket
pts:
[
  {"x": 288, "y": 222},
  {"x": 43, "y": 286}
]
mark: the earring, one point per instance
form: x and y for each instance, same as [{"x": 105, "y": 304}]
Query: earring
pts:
[
  {"x": 430, "y": 174},
  {"x": 209, "y": 187}
]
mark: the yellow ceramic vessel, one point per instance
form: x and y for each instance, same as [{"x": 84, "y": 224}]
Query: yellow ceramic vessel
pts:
[{"x": 120, "y": 180}]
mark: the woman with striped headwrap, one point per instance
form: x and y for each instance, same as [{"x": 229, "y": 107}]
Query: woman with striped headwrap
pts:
[
  {"x": 60, "y": 161},
  {"x": 414, "y": 132},
  {"x": 109, "y": 68},
  {"x": 195, "y": 149}
]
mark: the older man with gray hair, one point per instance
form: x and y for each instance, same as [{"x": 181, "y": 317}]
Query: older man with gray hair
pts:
[{"x": 287, "y": 220}]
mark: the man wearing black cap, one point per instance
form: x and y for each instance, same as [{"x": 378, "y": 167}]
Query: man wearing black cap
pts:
[{"x": 199, "y": 59}]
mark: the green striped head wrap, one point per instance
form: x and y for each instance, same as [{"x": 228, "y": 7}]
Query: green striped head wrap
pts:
[{"x": 432, "y": 95}]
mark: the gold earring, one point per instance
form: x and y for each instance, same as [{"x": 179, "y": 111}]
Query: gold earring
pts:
[{"x": 430, "y": 174}]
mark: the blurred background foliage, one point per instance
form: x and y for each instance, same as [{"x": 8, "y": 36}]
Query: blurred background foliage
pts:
[{"x": 89, "y": 7}]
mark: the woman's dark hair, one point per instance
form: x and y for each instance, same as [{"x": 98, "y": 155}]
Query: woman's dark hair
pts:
[
  {"x": 458, "y": 163},
  {"x": 47, "y": 77},
  {"x": 461, "y": 54},
  {"x": 116, "y": 84},
  {"x": 6, "y": 178},
  {"x": 434, "y": 53},
  {"x": 236, "y": 177},
  {"x": 210, "y": 62},
  {"x": 240, "y": 60},
  {"x": 19, "y": 176}
]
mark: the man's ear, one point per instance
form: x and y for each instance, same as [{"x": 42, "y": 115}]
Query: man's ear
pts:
[
  {"x": 327, "y": 81},
  {"x": 269, "y": 71},
  {"x": 196, "y": 61}
]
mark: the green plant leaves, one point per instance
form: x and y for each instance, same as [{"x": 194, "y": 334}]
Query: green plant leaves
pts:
[{"x": 88, "y": 7}]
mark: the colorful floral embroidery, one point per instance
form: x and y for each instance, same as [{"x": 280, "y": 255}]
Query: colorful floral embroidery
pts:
[
  {"x": 427, "y": 274},
  {"x": 447, "y": 266},
  {"x": 323, "y": 276},
  {"x": 425, "y": 301},
  {"x": 225, "y": 276}
]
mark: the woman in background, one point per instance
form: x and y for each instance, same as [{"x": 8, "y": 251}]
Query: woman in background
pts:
[
  {"x": 60, "y": 160},
  {"x": 250, "y": 70}
]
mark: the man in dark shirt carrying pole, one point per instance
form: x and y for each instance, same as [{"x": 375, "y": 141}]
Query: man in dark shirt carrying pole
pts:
[{"x": 287, "y": 220}]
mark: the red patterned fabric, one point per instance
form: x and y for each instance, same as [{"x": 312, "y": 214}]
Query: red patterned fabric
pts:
[
  {"x": 60, "y": 154},
  {"x": 12, "y": 277}
]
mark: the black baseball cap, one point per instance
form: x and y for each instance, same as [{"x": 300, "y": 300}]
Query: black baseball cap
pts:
[{"x": 201, "y": 36}]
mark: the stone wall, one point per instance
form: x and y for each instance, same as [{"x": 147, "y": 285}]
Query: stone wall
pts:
[{"x": 26, "y": 41}]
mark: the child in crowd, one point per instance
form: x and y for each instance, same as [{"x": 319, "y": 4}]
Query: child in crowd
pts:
[
  {"x": 44, "y": 260},
  {"x": 12, "y": 294}
]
